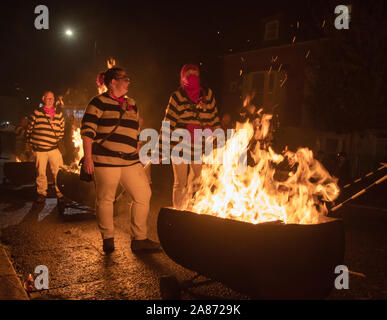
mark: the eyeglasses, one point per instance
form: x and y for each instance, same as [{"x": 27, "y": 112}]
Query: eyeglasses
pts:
[{"x": 123, "y": 78}]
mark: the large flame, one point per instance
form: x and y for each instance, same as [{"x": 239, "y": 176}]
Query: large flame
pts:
[{"x": 294, "y": 194}]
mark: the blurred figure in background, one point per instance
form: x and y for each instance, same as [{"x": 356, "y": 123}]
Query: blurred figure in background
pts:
[
  {"x": 21, "y": 151},
  {"x": 226, "y": 123},
  {"x": 342, "y": 169},
  {"x": 59, "y": 102},
  {"x": 324, "y": 160},
  {"x": 70, "y": 152}
]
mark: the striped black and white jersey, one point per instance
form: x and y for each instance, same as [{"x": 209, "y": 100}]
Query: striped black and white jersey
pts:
[
  {"x": 43, "y": 132},
  {"x": 99, "y": 120},
  {"x": 183, "y": 113}
]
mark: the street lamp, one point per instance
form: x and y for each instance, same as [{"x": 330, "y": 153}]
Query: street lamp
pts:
[{"x": 69, "y": 33}]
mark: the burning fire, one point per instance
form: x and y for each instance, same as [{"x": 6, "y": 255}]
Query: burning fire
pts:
[
  {"x": 111, "y": 63},
  {"x": 294, "y": 194},
  {"x": 78, "y": 144}
]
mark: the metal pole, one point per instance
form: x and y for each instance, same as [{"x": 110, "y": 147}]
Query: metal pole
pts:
[
  {"x": 384, "y": 165},
  {"x": 360, "y": 193}
]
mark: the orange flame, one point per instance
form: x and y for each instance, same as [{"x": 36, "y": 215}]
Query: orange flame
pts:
[
  {"x": 263, "y": 193},
  {"x": 78, "y": 144},
  {"x": 111, "y": 63}
]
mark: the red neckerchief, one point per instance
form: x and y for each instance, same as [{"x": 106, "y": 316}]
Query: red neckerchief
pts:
[
  {"x": 50, "y": 111},
  {"x": 121, "y": 101}
]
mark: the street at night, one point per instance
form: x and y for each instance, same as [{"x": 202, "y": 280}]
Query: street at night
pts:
[{"x": 159, "y": 152}]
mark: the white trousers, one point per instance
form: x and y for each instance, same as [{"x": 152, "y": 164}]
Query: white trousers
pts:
[
  {"x": 54, "y": 158},
  {"x": 134, "y": 180},
  {"x": 184, "y": 185}
]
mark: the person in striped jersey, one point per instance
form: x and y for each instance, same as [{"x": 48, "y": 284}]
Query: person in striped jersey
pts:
[
  {"x": 45, "y": 130},
  {"x": 113, "y": 158},
  {"x": 190, "y": 107}
]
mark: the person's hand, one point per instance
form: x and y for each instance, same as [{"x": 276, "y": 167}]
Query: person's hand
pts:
[{"x": 88, "y": 165}]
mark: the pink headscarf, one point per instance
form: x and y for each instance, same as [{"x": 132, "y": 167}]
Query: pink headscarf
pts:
[{"x": 190, "y": 83}]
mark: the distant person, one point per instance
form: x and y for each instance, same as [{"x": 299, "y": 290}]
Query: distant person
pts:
[
  {"x": 21, "y": 140},
  {"x": 110, "y": 128},
  {"x": 70, "y": 152},
  {"x": 323, "y": 159},
  {"x": 190, "y": 107},
  {"x": 59, "y": 102},
  {"x": 45, "y": 131},
  {"x": 226, "y": 123},
  {"x": 342, "y": 169}
]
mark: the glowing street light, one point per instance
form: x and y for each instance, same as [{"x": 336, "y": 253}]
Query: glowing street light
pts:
[{"x": 69, "y": 33}]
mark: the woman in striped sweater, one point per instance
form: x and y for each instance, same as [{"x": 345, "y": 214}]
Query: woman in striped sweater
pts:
[
  {"x": 111, "y": 154},
  {"x": 45, "y": 130},
  {"x": 190, "y": 107}
]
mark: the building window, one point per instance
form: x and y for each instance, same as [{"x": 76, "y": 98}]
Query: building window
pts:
[
  {"x": 265, "y": 86},
  {"x": 271, "y": 30},
  {"x": 258, "y": 87}
]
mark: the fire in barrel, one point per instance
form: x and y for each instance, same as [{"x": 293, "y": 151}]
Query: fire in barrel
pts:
[{"x": 262, "y": 230}]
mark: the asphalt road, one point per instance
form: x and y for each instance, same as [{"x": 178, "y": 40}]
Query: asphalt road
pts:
[{"x": 71, "y": 247}]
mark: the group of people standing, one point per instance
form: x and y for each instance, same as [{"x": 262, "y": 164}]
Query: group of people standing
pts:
[{"x": 110, "y": 131}]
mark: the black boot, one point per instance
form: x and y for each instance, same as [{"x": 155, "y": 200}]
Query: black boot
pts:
[
  {"x": 108, "y": 245},
  {"x": 40, "y": 199},
  {"x": 61, "y": 204}
]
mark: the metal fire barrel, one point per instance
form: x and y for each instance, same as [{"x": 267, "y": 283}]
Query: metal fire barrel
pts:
[
  {"x": 77, "y": 190},
  {"x": 73, "y": 188},
  {"x": 20, "y": 173},
  {"x": 264, "y": 261}
]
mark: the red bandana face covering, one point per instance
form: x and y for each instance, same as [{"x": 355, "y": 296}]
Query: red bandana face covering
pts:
[
  {"x": 192, "y": 87},
  {"x": 191, "y": 82}
]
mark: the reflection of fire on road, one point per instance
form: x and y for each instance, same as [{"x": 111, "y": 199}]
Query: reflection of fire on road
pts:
[{"x": 258, "y": 195}]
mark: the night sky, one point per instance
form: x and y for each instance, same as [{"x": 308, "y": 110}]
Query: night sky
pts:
[{"x": 150, "y": 39}]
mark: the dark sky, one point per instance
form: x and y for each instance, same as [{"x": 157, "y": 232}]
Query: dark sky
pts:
[{"x": 150, "y": 39}]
